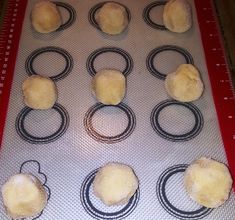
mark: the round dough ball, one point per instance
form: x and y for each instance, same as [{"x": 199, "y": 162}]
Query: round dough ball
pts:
[
  {"x": 177, "y": 16},
  {"x": 208, "y": 182},
  {"x": 112, "y": 18},
  {"x": 39, "y": 92},
  {"x": 185, "y": 84},
  {"x": 45, "y": 17},
  {"x": 109, "y": 86},
  {"x": 23, "y": 196},
  {"x": 115, "y": 184}
]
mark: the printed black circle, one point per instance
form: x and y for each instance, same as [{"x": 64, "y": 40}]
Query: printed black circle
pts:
[
  {"x": 109, "y": 139},
  {"x": 85, "y": 196},
  {"x": 68, "y": 58},
  {"x": 123, "y": 53},
  {"x": 146, "y": 15},
  {"x": 167, "y": 205},
  {"x": 72, "y": 15},
  {"x": 173, "y": 137},
  {"x": 24, "y": 134},
  {"x": 94, "y": 9},
  {"x": 156, "y": 51}
]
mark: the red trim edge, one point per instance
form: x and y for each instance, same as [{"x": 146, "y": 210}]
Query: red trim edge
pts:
[
  {"x": 219, "y": 74},
  {"x": 9, "y": 43}
]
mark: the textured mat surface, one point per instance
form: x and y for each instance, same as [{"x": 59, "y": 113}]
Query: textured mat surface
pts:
[{"x": 156, "y": 136}]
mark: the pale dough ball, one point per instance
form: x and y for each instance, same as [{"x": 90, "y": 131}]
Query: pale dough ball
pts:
[
  {"x": 45, "y": 17},
  {"x": 115, "y": 184},
  {"x": 109, "y": 86},
  {"x": 23, "y": 196},
  {"x": 185, "y": 84},
  {"x": 208, "y": 182},
  {"x": 39, "y": 92},
  {"x": 177, "y": 16},
  {"x": 112, "y": 18}
]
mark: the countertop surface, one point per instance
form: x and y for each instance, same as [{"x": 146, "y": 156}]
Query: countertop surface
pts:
[{"x": 225, "y": 12}]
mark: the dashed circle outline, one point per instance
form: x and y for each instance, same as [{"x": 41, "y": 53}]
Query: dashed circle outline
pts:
[
  {"x": 91, "y": 59},
  {"x": 72, "y": 15},
  {"x": 173, "y": 137},
  {"x": 150, "y": 58},
  {"x": 97, "y": 214},
  {"x": 109, "y": 139},
  {"x": 146, "y": 15},
  {"x": 165, "y": 203},
  {"x": 19, "y": 124},
  {"x": 94, "y": 9},
  {"x": 68, "y": 59}
]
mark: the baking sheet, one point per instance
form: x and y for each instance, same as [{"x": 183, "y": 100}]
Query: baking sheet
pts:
[{"x": 67, "y": 163}]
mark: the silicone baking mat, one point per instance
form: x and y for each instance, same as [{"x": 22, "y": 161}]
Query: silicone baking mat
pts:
[{"x": 155, "y": 135}]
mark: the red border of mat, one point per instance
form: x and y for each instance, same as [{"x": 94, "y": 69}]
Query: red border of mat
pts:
[
  {"x": 220, "y": 79},
  {"x": 9, "y": 43}
]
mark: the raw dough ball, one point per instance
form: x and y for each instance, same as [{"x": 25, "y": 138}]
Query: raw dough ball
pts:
[
  {"x": 185, "y": 84},
  {"x": 208, "y": 182},
  {"x": 109, "y": 86},
  {"x": 115, "y": 184},
  {"x": 112, "y": 18},
  {"x": 23, "y": 196},
  {"x": 45, "y": 17},
  {"x": 39, "y": 92},
  {"x": 177, "y": 16}
]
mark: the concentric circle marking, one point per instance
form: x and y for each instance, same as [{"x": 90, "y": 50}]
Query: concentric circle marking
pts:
[
  {"x": 174, "y": 137},
  {"x": 119, "y": 213},
  {"x": 94, "y": 9},
  {"x": 109, "y": 139},
  {"x": 24, "y": 134},
  {"x": 156, "y": 51},
  {"x": 167, "y": 205},
  {"x": 68, "y": 59},
  {"x": 96, "y": 53},
  {"x": 72, "y": 15},
  {"x": 146, "y": 15}
]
